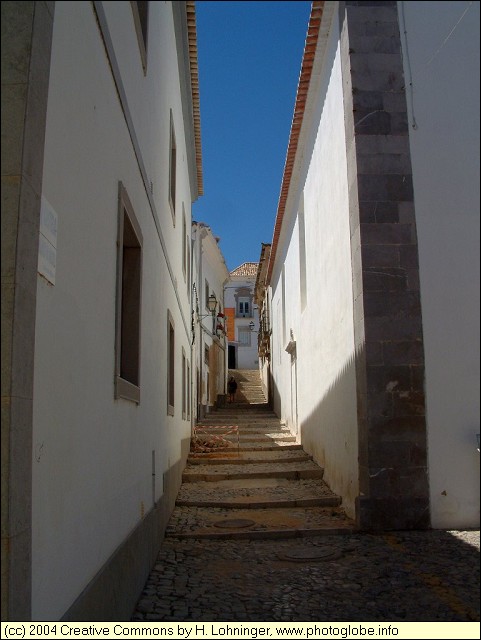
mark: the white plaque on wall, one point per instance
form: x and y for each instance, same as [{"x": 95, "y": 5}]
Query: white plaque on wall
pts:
[{"x": 47, "y": 248}]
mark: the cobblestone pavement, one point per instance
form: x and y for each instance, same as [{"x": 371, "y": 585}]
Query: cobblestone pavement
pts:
[
  {"x": 273, "y": 489},
  {"x": 428, "y": 576},
  {"x": 258, "y": 536}
]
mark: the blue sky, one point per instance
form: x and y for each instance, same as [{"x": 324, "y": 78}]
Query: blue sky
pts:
[{"x": 250, "y": 56}]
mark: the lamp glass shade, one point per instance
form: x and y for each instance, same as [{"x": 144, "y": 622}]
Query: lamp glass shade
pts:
[{"x": 212, "y": 303}]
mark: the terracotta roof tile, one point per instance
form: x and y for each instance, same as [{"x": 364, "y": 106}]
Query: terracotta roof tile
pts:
[
  {"x": 248, "y": 269},
  {"x": 302, "y": 89},
  {"x": 194, "y": 75}
]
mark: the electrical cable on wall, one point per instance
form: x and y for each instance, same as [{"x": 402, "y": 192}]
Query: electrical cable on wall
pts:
[{"x": 408, "y": 64}]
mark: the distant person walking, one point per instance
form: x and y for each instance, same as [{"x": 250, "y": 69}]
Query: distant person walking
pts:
[{"x": 231, "y": 389}]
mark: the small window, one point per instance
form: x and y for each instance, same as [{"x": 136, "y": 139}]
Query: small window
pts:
[
  {"x": 244, "y": 334},
  {"x": 140, "y": 12},
  {"x": 171, "y": 365},
  {"x": 302, "y": 256},
  {"x": 172, "y": 168},
  {"x": 188, "y": 265},
  {"x": 184, "y": 385},
  {"x": 184, "y": 244},
  {"x": 129, "y": 279},
  {"x": 206, "y": 354},
  {"x": 188, "y": 389},
  {"x": 244, "y": 308}
]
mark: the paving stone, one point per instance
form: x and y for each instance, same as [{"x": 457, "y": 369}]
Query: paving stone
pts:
[{"x": 264, "y": 576}]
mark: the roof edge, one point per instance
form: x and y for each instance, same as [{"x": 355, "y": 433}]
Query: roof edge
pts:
[
  {"x": 297, "y": 120},
  {"x": 194, "y": 75}
]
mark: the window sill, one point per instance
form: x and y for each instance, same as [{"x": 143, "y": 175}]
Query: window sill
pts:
[{"x": 126, "y": 390}]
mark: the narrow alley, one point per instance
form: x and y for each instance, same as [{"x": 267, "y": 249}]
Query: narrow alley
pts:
[
  {"x": 286, "y": 193},
  {"x": 257, "y": 535}
]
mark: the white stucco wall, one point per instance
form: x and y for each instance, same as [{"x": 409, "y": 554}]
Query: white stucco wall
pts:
[
  {"x": 209, "y": 266},
  {"x": 443, "y": 47},
  {"x": 92, "y": 454},
  {"x": 323, "y": 331},
  {"x": 247, "y": 355}
]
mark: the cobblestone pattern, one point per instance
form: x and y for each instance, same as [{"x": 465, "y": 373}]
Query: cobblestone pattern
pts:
[
  {"x": 425, "y": 576},
  {"x": 267, "y": 468},
  {"x": 202, "y": 521},
  {"x": 235, "y": 457},
  {"x": 293, "y": 490}
]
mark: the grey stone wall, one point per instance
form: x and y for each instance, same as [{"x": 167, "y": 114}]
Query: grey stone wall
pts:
[
  {"x": 393, "y": 472},
  {"x": 26, "y": 44}
]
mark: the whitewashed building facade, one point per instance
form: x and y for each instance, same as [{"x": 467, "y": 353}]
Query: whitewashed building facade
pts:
[
  {"x": 242, "y": 317},
  {"x": 100, "y": 165},
  {"x": 210, "y": 275},
  {"x": 373, "y": 279}
]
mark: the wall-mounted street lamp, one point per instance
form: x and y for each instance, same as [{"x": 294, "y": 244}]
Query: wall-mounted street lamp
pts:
[
  {"x": 251, "y": 326},
  {"x": 211, "y": 305}
]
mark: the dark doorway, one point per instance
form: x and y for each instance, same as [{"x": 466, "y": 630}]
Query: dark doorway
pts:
[{"x": 231, "y": 357}]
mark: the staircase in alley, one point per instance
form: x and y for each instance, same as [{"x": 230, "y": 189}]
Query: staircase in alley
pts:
[{"x": 247, "y": 478}]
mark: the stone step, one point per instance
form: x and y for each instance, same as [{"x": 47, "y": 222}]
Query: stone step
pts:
[
  {"x": 248, "y": 427},
  {"x": 292, "y": 471},
  {"x": 256, "y": 493},
  {"x": 256, "y": 524},
  {"x": 234, "y": 456},
  {"x": 262, "y": 445},
  {"x": 271, "y": 445},
  {"x": 253, "y": 434},
  {"x": 262, "y": 437},
  {"x": 238, "y": 419}
]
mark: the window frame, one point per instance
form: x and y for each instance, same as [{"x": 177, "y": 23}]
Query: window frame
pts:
[
  {"x": 184, "y": 385},
  {"x": 188, "y": 389},
  {"x": 128, "y": 389},
  {"x": 184, "y": 243},
  {"x": 245, "y": 330},
  {"x": 170, "y": 364},
  {"x": 206, "y": 294},
  {"x": 141, "y": 22},
  {"x": 172, "y": 168}
]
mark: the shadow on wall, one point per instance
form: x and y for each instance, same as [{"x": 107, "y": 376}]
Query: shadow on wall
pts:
[
  {"x": 113, "y": 593},
  {"x": 330, "y": 434},
  {"x": 385, "y": 457}
]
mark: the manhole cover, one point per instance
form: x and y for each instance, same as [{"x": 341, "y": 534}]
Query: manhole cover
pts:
[
  {"x": 234, "y": 524},
  {"x": 311, "y": 555}
]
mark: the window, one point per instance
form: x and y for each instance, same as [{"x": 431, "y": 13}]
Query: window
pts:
[
  {"x": 244, "y": 335},
  {"x": 188, "y": 389},
  {"x": 140, "y": 12},
  {"x": 172, "y": 168},
  {"x": 171, "y": 365},
  {"x": 184, "y": 244},
  {"x": 184, "y": 385},
  {"x": 244, "y": 308},
  {"x": 243, "y": 298},
  {"x": 283, "y": 300},
  {"x": 188, "y": 265},
  {"x": 206, "y": 354},
  {"x": 207, "y": 290},
  {"x": 128, "y": 303},
  {"x": 302, "y": 255}
]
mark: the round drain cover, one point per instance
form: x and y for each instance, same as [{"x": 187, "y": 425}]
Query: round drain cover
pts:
[
  {"x": 234, "y": 524},
  {"x": 311, "y": 555}
]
